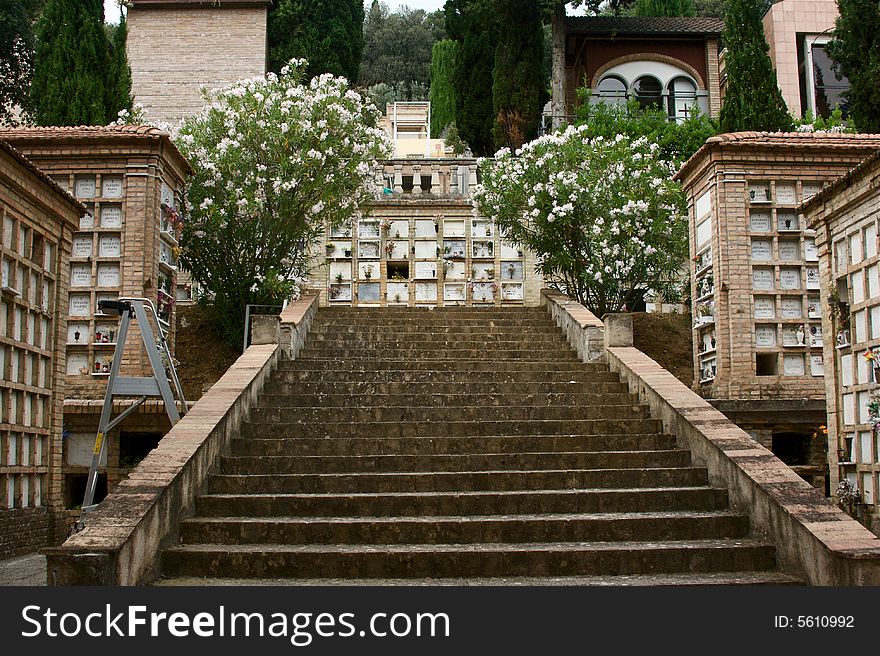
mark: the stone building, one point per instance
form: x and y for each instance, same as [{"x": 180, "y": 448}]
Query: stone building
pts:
[
  {"x": 38, "y": 221},
  {"x": 130, "y": 179},
  {"x": 758, "y": 332},
  {"x": 845, "y": 216},
  {"x": 798, "y": 32},
  {"x": 670, "y": 62},
  {"x": 408, "y": 124},
  {"x": 422, "y": 245},
  {"x": 177, "y": 46}
]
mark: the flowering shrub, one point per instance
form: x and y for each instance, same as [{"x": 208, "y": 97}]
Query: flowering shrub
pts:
[
  {"x": 274, "y": 161},
  {"x": 603, "y": 215},
  {"x": 16, "y": 70}
]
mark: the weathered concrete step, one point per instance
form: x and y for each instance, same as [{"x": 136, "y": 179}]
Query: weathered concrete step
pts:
[
  {"x": 462, "y": 503},
  {"x": 479, "y": 397},
  {"x": 487, "y": 353},
  {"x": 641, "y": 580},
  {"x": 441, "y": 321},
  {"x": 499, "y": 559},
  {"x": 342, "y": 331},
  {"x": 536, "y": 342},
  {"x": 255, "y": 441},
  {"x": 241, "y": 464},
  {"x": 473, "y": 428},
  {"x": 432, "y": 311},
  {"x": 528, "y": 365},
  {"x": 607, "y": 527},
  {"x": 258, "y": 443},
  {"x": 342, "y": 388},
  {"x": 462, "y": 413},
  {"x": 348, "y": 372},
  {"x": 463, "y": 481}
]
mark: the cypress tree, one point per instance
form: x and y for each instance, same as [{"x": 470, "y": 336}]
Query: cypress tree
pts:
[
  {"x": 119, "y": 78},
  {"x": 72, "y": 61},
  {"x": 472, "y": 24},
  {"x": 16, "y": 56},
  {"x": 328, "y": 33},
  {"x": 664, "y": 8},
  {"x": 753, "y": 100},
  {"x": 856, "y": 51},
  {"x": 442, "y": 94},
  {"x": 518, "y": 88}
]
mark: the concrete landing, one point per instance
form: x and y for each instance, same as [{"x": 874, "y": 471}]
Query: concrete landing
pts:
[{"x": 27, "y": 570}]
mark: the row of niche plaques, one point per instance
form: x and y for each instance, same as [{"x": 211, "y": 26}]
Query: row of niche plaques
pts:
[
  {"x": 398, "y": 292},
  {"x": 510, "y": 271},
  {"x": 85, "y": 186},
  {"x": 762, "y": 221},
  {"x": 109, "y": 245},
  {"x": 782, "y": 192},
  {"x": 790, "y": 307},
  {"x": 790, "y": 278},
  {"x": 787, "y": 249},
  {"x": 793, "y": 335}
]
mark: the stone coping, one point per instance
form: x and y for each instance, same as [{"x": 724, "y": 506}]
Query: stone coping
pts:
[
  {"x": 815, "y": 541},
  {"x": 123, "y": 539}
]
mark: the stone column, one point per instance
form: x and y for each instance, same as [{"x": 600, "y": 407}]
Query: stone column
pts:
[
  {"x": 398, "y": 178},
  {"x": 417, "y": 179}
]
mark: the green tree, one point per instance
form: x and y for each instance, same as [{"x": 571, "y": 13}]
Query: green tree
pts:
[
  {"x": 518, "y": 89},
  {"x": 397, "y": 45},
  {"x": 664, "y": 8},
  {"x": 753, "y": 100},
  {"x": 16, "y": 57},
  {"x": 855, "y": 49},
  {"x": 73, "y": 65},
  {"x": 442, "y": 95},
  {"x": 473, "y": 24},
  {"x": 119, "y": 78},
  {"x": 327, "y": 33},
  {"x": 710, "y": 8}
]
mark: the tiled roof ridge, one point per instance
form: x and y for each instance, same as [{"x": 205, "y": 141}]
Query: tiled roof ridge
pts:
[
  {"x": 146, "y": 130},
  {"x": 646, "y": 24},
  {"x": 33, "y": 168},
  {"x": 844, "y": 181}
]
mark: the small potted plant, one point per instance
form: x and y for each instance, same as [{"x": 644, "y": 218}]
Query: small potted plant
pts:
[
  {"x": 338, "y": 277},
  {"x": 511, "y": 271},
  {"x": 368, "y": 272}
]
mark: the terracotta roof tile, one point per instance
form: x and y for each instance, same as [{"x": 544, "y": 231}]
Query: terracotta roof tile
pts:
[
  {"x": 25, "y": 162},
  {"x": 652, "y": 26}
]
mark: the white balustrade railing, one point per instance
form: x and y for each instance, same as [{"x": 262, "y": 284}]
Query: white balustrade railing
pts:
[{"x": 430, "y": 178}]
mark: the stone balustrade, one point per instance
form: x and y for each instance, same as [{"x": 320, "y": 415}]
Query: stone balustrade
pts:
[{"x": 429, "y": 178}]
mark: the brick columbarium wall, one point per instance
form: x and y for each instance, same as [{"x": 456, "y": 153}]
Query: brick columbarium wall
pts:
[
  {"x": 758, "y": 332},
  {"x": 38, "y": 220},
  {"x": 130, "y": 179},
  {"x": 175, "y": 48},
  {"x": 421, "y": 245},
  {"x": 845, "y": 217}
]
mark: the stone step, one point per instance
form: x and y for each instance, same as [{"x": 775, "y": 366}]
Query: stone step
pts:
[
  {"x": 261, "y": 444},
  {"x": 468, "y": 529},
  {"x": 461, "y": 414},
  {"x": 438, "y": 560},
  {"x": 403, "y": 365},
  {"x": 350, "y": 313},
  {"x": 641, "y": 580},
  {"x": 457, "y": 481},
  {"x": 346, "y": 388},
  {"x": 473, "y": 428},
  {"x": 478, "y": 397},
  {"x": 441, "y": 321},
  {"x": 327, "y": 331},
  {"x": 429, "y": 354},
  {"x": 504, "y": 340},
  {"x": 507, "y": 502},
  {"x": 537, "y": 348},
  {"x": 430, "y": 462}
]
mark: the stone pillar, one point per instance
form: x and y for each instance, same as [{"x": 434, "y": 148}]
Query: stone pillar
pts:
[
  {"x": 398, "y": 178},
  {"x": 417, "y": 179},
  {"x": 435, "y": 179},
  {"x": 618, "y": 330},
  {"x": 472, "y": 179},
  {"x": 453, "y": 180}
]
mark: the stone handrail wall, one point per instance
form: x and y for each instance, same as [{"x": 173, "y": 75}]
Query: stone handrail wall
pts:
[
  {"x": 438, "y": 177},
  {"x": 123, "y": 539},
  {"x": 815, "y": 541},
  {"x": 583, "y": 330}
]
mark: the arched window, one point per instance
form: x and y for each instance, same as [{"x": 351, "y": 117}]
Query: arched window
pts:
[
  {"x": 648, "y": 91},
  {"x": 682, "y": 98},
  {"x": 612, "y": 90}
]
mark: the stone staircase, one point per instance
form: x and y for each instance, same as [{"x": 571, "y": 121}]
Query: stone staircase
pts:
[{"x": 458, "y": 446}]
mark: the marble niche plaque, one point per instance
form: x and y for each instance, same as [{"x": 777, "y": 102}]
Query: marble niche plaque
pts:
[
  {"x": 812, "y": 277},
  {"x": 425, "y": 270},
  {"x": 817, "y": 365},
  {"x": 789, "y": 250},
  {"x": 108, "y": 275},
  {"x": 87, "y": 221},
  {"x": 764, "y": 308},
  {"x": 762, "y": 278},
  {"x": 811, "y": 252},
  {"x": 787, "y": 221},
  {"x": 793, "y": 364},
  {"x": 167, "y": 197},
  {"x": 790, "y": 278},
  {"x": 454, "y": 292},
  {"x": 110, "y": 246},
  {"x": 511, "y": 291},
  {"x": 82, "y": 246},
  {"x": 816, "y": 336},
  {"x": 811, "y": 189},
  {"x": 84, "y": 187},
  {"x": 80, "y": 275},
  {"x": 111, "y": 187},
  {"x": 785, "y": 194},
  {"x": 111, "y": 216},
  {"x": 759, "y": 221},
  {"x": 765, "y": 336},
  {"x": 761, "y": 250},
  {"x": 814, "y": 309},
  {"x": 426, "y": 291},
  {"x": 792, "y": 308},
  {"x": 80, "y": 305}
]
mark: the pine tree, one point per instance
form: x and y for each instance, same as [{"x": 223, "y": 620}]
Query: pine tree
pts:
[
  {"x": 753, "y": 100},
  {"x": 442, "y": 94},
  {"x": 119, "y": 78},
  {"x": 518, "y": 89},
  {"x": 71, "y": 65},
  {"x": 328, "y": 33},
  {"x": 664, "y": 8},
  {"x": 856, "y": 51},
  {"x": 473, "y": 25}
]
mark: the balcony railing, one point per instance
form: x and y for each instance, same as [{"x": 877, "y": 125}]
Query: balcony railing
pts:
[{"x": 429, "y": 178}]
